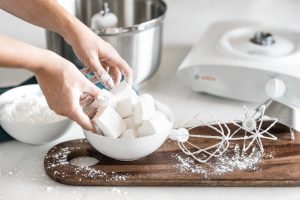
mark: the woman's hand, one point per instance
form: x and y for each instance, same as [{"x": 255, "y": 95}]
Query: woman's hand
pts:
[
  {"x": 62, "y": 84},
  {"x": 99, "y": 55}
]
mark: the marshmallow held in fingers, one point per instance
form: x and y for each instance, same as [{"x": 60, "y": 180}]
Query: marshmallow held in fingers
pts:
[
  {"x": 144, "y": 109},
  {"x": 123, "y": 90},
  {"x": 105, "y": 98},
  {"x": 105, "y": 78},
  {"x": 157, "y": 124},
  {"x": 109, "y": 122}
]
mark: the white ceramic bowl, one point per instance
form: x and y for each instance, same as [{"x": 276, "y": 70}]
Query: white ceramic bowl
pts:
[
  {"x": 28, "y": 133},
  {"x": 127, "y": 149}
]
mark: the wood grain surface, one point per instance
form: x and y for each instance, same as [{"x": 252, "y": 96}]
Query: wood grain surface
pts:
[{"x": 161, "y": 167}]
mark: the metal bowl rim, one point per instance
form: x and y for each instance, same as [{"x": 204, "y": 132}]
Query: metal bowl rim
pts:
[{"x": 135, "y": 28}]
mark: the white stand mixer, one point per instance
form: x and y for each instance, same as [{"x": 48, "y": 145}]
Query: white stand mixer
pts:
[{"x": 245, "y": 61}]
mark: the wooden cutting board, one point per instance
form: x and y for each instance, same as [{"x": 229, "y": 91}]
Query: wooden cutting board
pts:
[{"x": 165, "y": 167}]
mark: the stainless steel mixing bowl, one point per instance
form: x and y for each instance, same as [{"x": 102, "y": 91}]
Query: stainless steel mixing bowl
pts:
[{"x": 137, "y": 38}]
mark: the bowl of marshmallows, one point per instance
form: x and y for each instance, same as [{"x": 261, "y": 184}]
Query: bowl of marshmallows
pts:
[{"x": 128, "y": 126}]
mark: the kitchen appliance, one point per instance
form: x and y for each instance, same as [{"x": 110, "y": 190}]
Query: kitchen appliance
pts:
[
  {"x": 286, "y": 114},
  {"x": 137, "y": 37},
  {"x": 245, "y": 61}
]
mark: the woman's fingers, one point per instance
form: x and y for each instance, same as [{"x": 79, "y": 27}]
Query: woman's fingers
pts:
[
  {"x": 123, "y": 67},
  {"x": 100, "y": 72},
  {"x": 90, "y": 112},
  {"x": 75, "y": 111},
  {"x": 86, "y": 100},
  {"x": 90, "y": 88},
  {"x": 115, "y": 74},
  {"x": 111, "y": 57},
  {"x": 81, "y": 118},
  {"x": 86, "y": 70}
]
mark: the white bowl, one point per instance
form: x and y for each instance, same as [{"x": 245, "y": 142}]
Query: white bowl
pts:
[
  {"x": 127, "y": 149},
  {"x": 28, "y": 133}
]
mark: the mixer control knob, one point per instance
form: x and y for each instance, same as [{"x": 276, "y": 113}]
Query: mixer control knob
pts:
[{"x": 275, "y": 88}]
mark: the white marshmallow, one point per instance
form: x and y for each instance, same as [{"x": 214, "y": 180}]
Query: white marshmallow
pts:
[
  {"x": 123, "y": 90},
  {"x": 144, "y": 109},
  {"x": 125, "y": 107},
  {"x": 130, "y": 123},
  {"x": 105, "y": 98},
  {"x": 157, "y": 124},
  {"x": 109, "y": 122},
  {"x": 129, "y": 133}
]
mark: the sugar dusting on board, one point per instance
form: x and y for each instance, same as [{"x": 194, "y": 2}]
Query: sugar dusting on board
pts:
[
  {"x": 83, "y": 171},
  {"x": 233, "y": 160}
]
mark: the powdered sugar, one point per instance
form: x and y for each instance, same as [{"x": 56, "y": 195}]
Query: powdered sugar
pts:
[
  {"x": 233, "y": 160},
  {"x": 60, "y": 159},
  {"x": 29, "y": 109}
]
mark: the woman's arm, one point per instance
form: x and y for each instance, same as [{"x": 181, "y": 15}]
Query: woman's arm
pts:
[
  {"x": 44, "y": 13},
  {"x": 90, "y": 48},
  {"x": 60, "y": 81}
]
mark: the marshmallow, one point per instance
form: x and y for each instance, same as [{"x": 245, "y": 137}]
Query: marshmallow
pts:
[
  {"x": 144, "y": 109},
  {"x": 125, "y": 107},
  {"x": 130, "y": 123},
  {"x": 105, "y": 98},
  {"x": 123, "y": 90},
  {"x": 157, "y": 124},
  {"x": 109, "y": 122},
  {"x": 129, "y": 133}
]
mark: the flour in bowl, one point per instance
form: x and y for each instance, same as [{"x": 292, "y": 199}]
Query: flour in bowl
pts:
[{"x": 29, "y": 109}]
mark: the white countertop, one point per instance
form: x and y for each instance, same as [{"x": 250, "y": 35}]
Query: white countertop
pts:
[{"x": 21, "y": 169}]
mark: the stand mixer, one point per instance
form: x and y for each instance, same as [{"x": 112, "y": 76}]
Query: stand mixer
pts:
[
  {"x": 245, "y": 61},
  {"x": 251, "y": 62}
]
